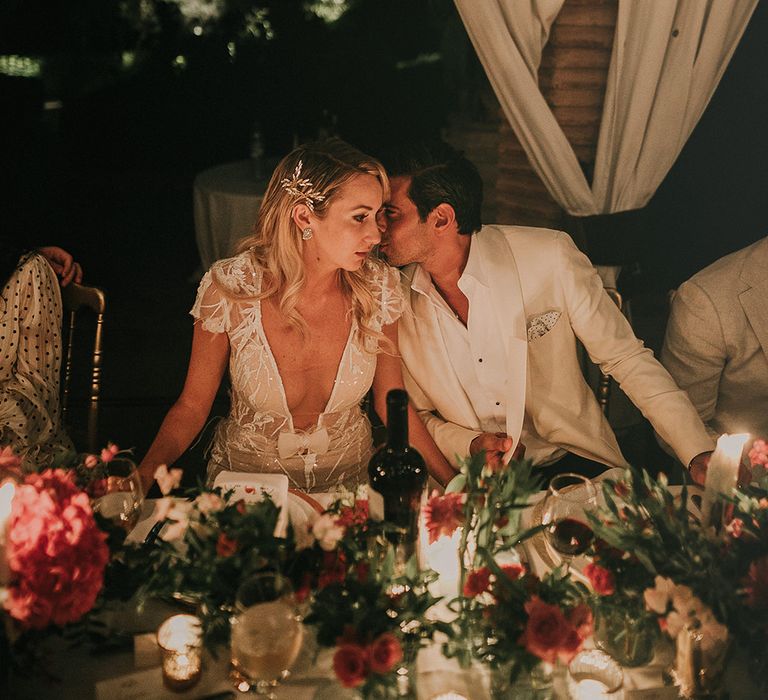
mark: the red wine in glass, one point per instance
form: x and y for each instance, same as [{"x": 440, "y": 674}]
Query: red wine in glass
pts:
[{"x": 570, "y": 537}]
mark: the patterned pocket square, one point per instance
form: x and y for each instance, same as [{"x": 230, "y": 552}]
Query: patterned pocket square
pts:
[{"x": 541, "y": 325}]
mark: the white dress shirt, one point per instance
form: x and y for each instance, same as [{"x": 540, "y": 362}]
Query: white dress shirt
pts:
[{"x": 477, "y": 355}]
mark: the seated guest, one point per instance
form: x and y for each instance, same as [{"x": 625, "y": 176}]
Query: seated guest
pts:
[
  {"x": 717, "y": 342},
  {"x": 489, "y": 345},
  {"x": 306, "y": 320},
  {"x": 31, "y": 350}
]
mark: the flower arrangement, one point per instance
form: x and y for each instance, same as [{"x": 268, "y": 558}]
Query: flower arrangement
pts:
[
  {"x": 56, "y": 554},
  {"x": 703, "y": 579},
  {"x": 374, "y": 615},
  {"x": 505, "y": 615}
]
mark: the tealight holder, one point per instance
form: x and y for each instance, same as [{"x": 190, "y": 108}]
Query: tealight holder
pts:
[
  {"x": 180, "y": 642},
  {"x": 592, "y": 674}
]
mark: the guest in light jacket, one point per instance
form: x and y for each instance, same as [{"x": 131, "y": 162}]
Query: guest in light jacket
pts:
[
  {"x": 716, "y": 346},
  {"x": 489, "y": 345}
]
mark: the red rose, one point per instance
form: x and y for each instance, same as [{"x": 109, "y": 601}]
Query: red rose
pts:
[
  {"x": 513, "y": 571},
  {"x": 350, "y": 664},
  {"x": 384, "y": 652},
  {"x": 362, "y": 569},
  {"x": 600, "y": 578},
  {"x": 546, "y": 630},
  {"x": 443, "y": 514},
  {"x": 334, "y": 569},
  {"x": 477, "y": 582},
  {"x": 225, "y": 546},
  {"x": 581, "y": 619},
  {"x": 354, "y": 515}
]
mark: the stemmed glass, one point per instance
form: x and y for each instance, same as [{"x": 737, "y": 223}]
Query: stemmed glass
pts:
[
  {"x": 117, "y": 495},
  {"x": 569, "y": 498},
  {"x": 266, "y": 633}
]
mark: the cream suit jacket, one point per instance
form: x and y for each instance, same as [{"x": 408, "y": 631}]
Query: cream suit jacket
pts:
[
  {"x": 531, "y": 272},
  {"x": 716, "y": 346}
]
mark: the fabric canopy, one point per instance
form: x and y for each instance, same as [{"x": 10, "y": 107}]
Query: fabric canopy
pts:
[{"x": 668, "y": 57}]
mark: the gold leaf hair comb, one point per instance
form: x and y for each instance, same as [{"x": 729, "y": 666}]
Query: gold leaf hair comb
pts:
[{"x": 301, "y": 188}]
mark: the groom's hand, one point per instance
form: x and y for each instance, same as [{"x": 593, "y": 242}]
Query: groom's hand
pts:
[{"x": 495, "y": 446}]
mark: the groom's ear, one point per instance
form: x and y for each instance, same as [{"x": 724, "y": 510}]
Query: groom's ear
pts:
[{"x": 444, "y": 217}]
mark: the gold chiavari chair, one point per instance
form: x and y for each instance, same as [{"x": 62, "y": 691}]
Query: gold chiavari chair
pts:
[{"x": 76, "y": 297}]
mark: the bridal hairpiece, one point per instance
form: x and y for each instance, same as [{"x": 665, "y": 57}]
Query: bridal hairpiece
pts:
[{"x": 301, "y": 188}]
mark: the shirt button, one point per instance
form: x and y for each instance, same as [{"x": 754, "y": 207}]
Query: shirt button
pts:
[
  {"x": 498, "y": 403},
  {"x": 479, "y": 359}
]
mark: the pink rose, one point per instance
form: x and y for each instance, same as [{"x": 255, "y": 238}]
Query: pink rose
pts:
[
  {"x": 384, "y": 652},
  {"x": 600, "y": 578},
  {"x": 167, "y": 479},
  {"x": 350, "y": 664},
  {"x": 91, "y": 461},
  {"x": 109, "y": 452},
  {"x": 758, "y": 455},
  {"x": 443, "y": 514},
  {"x": 477, "y": 582},
  {"x": 546, "y": 630}
]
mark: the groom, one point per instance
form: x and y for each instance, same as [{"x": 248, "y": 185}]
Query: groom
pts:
[{"x": 489, "y": 346}]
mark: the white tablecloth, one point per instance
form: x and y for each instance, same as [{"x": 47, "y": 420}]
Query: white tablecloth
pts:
[{"x": 226, "y": 201}]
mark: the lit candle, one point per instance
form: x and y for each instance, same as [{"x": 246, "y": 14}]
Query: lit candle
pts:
[
  {"x": 450, "y": 696},
  {"x": 589, "y": 689},
  {"x": 7, "y": 492},
  {"x": 442, "y": 556},
  {"x": 722, "y": 473},
  {"x": 180, "y": 640}
]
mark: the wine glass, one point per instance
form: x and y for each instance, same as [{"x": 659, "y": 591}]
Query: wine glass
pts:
[
  {"x": 266, "y": 633},
  {"x": 117, "y": 495},
  {"x": 569, "y": 498}
]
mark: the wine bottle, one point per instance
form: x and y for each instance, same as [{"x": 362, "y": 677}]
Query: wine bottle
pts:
[{"x": 397, "y": 471}]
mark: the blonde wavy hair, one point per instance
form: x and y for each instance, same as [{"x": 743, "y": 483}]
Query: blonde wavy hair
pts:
[{"x": 276, "y": 243}]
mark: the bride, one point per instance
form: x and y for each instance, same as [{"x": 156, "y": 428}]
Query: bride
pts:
[{"x": 306, "y": 320}]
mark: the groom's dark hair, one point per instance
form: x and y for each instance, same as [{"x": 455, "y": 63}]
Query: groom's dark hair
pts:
[{"x": 439, "y": 174}]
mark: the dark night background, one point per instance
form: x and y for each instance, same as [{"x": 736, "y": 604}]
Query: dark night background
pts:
[{"x": 107, "y": 170}]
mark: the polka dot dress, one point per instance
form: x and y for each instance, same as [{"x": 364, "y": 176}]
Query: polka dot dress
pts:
[{"x": 30, "y": 363}]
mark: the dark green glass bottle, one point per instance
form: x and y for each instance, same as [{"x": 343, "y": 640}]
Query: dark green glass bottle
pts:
[{"x": 398, "y": 473}]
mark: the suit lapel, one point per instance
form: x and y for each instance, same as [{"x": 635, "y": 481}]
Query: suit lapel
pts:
[
  {"x": 502, "y": 278},
  {"x": 754, "y": 298}
]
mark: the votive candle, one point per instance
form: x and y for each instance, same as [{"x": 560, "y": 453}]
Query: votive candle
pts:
[
  {"x": 722, "y": 472},
  {"x": 180, "y": 641}
]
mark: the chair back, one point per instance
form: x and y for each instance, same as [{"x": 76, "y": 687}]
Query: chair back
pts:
[
  {"x": 76, "y": 297},
  {"x": 604, "y": 385}
]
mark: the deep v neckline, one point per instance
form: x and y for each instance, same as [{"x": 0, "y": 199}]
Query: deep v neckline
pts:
[{"x": 276, "y": 369}]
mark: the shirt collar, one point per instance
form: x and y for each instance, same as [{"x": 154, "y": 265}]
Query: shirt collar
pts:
[{"x": 421, "y": 281}]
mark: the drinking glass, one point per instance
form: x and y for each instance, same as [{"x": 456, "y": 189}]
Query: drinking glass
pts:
[
  {"x": 569, "y": 498},
  {"x": 117, "y": 495},
  {"x": 266, "y": 633}
]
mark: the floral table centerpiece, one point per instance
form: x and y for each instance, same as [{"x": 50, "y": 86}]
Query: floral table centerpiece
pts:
[
  {"x": 506, "y": 617},
  {"x": 705, "y": 581}
]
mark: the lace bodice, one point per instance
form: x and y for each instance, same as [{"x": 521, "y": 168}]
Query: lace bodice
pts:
[{"x": 259, "y": 435}]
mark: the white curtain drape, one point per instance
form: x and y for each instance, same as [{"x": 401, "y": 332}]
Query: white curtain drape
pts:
[{"x": 668, "y": 57}]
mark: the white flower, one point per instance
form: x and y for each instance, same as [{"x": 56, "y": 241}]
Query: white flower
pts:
[
  {"x": 304, "y": 536},
  {"x": 177, "y": 516},
  {"x": 327, "y": 532},
  {"x": 208, "y": 503},
  {"x": 167, "y": 479},
  {"x": 657, "y": 598}
]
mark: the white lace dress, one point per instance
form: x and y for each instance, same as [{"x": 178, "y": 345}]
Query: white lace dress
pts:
[{"x": 259, "y": 435}]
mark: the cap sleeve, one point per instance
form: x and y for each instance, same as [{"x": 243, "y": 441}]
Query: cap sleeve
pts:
[
  {"x": 388, "y": 294},
  {"x": 211, "y": 306},
  {"x": 226, "y": 290}
]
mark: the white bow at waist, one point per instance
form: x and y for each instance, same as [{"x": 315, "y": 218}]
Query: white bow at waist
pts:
[{"x": 290, "y": 443}]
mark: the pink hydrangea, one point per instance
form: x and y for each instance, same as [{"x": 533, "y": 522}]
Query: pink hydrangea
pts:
[{"x": 56, "y": 553}]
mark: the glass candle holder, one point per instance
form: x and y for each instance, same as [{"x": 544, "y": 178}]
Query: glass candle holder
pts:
[{"x": 180, "y": 641}]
